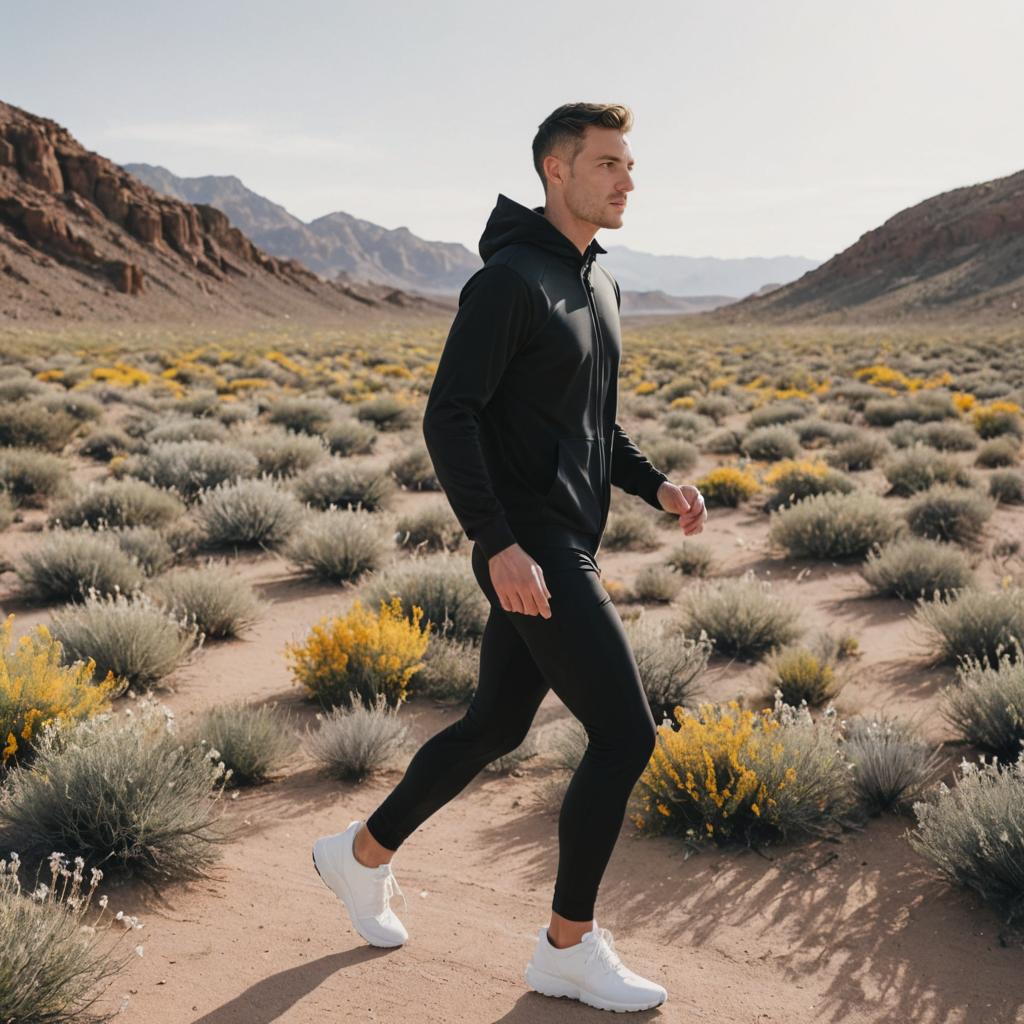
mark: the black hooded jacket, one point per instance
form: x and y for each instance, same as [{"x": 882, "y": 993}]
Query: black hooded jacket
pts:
[{"x": 520, "y": 422}]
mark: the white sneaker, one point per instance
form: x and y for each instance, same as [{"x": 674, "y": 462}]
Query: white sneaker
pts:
[
  {"x": 365, "y": 891},
  {"x": 592, "y": 972}
]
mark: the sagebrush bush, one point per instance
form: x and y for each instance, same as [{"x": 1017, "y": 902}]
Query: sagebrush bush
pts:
[
  {"x": 798, "y": 673},
  {"x": 118, "y": 503},
  {"x": 672, "y": 455},
  {"x": 348, "y": 436},
  {"x": 333, "y": 482},
  {"x": 833, "y": 526},
  {"x": 187, "y": 428},
  {"x": 630, "y": 530},
  {"x": 1006, "y": 486},
  {"x": 973, "y": 623},
  {"x": 429, "y": 528},
  {"x": 30, "y": 425},
  {"x": 691, "y": 558},
  {"x": 670, "y": 664},
  {"x": 723, "y": 442},
  {"x": 986, "y": 704},
  {"x": 66, "y": 564},
  {"x": 192, "y": 466},
  {"x": 103, "y": 443},
  {"x": 283, "y": 453},
  {"x": 414, "y": 470},
  {"x": 913, "y": 567},
  {"x": 360, "y": 653},
  {"x": 253, "y": 740},
  {"x": 354, "y": 741},
  {"x": 450, "y": 672},
  {"x": 858, "y": 453},
  {"x": 998, "y": 418},
  {"x": 919, "y": 468},
  {"x": 775, "y": 413},
  {"x": 120, "y": 791},
  {"x": 656, "y": 584},
  {"x": 30, "y": 477},
  {"x": 973, "y": 833},
  {"x": 149, "y": 547},
  {"x": 1000, "y": 451},
  {"x": 893, "y": 765},
  {"x": 722, "y": 774},
  {"x": 247, "y": 513},
  {"x": 6, "y": 511},
  {"x": 948, "y": 513},
  {"x": 213, "y": 596},
  {"x": 303, "y": 414},
  {"x": 388, "y": 412},
  {"x": 337, "y": 545},
  {"x": 771, "y": 443},
  {"x": 740, "y": 614},
  {"x": 793, "y": 479},
  {"x": 129, "y": 636}
]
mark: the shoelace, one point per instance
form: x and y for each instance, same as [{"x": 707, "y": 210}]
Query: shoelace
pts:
[
  {"x": 604, "y": 950},
  {"x": 390, "y": 887}
]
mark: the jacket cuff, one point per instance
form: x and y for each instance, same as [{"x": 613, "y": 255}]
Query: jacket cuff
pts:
[
  {"x": 494, "y": 537},
  {"x": 649, "y": 491}
]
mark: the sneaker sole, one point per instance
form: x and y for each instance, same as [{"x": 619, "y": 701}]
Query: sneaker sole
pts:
[
  {"x": 550, "y": 985},
  {"x": 343, "y": 894}
]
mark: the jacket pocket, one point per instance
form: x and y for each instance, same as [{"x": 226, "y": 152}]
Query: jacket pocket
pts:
[{"x": 575, "y": 492}]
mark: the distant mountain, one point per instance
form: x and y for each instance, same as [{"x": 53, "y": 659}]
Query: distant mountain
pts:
[
  {"x": 637, "y": 303},
  {"x": 81, "y": 238},
  {"x": 367, "y": 252},
  {"x": 957, "y": 255},
  {"x": 336, "y": 242},
  {"x": 700, "y": 275}
]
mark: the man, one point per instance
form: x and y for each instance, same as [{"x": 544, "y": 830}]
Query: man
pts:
[{"x": 521, "y": 428}]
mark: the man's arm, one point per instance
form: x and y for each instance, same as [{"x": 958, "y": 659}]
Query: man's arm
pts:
[
  {"x": 493, "y": 320},
  {"x": 631, "y": 470}
]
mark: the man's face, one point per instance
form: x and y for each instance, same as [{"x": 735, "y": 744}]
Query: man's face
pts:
[{"x": 596, "y": 185}]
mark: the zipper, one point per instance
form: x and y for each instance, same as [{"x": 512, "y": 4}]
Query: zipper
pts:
[{"x": 585, "y": 275}]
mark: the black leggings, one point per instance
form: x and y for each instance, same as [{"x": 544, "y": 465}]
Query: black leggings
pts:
[{"x": 581, "y": 653}]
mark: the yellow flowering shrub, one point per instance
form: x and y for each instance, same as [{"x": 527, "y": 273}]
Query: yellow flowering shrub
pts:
[
  {"x": 361, "y": 652},
  {"x": 995, "y": 418},
  {"x": 964, "y": 401},
  {"x": 683, "y": 402},
  {"x": 36, "y": 688},
  {"x": 727, "y": 485},
  {"x": 121, "y": 375},
  {"x": 788, "y": 469}
]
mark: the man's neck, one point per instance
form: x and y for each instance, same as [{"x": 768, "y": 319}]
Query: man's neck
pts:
[{"x": 579, "y": 232}]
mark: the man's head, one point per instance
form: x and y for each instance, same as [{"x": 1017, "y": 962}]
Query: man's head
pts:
[{"x": 584, "y": 161}]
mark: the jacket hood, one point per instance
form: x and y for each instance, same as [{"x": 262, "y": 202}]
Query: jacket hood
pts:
[{"x": 511, "y": 222}]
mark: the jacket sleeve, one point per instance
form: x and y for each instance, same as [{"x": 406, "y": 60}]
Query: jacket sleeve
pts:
[
  {"x": 631, "y": 470},
  {"x": 492, "y": 323}
]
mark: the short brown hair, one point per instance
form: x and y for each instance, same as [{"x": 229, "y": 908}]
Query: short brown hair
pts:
[{"x": 568, "y": 125}]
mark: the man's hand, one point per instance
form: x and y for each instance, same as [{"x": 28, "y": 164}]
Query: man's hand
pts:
[
  {"x": 687, "y": 503},
  {"x": 519, "y": 582}
]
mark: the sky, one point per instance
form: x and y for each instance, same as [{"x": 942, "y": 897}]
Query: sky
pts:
[{"x": 762, "y": 127}]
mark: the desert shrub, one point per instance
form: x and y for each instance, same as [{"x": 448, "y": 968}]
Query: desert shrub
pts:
[
  {"x": 986, "y": 704},
  {"x": 973, "y": 833},
  {"x": 893, "y": 765},
  {"x": 724, "y": 774},
  {"x": 35, "y": 688},
  {"x": 775, "y": 413},
  {"x": 192, "y": 466},
  {"x": 55, "y": 958},
  {"x": 147, "y": 546},
  {"x": 442, "y": 586},
  {"x": 797, "y": 672},
  {"x": 451, "y": 670},
  {"x": 6, "y": 511},
  {"x": 686, "y": 425},
  {"x": 723, "y": 442},
  {"x": 740, "y": 614},
  {"x": 386, "y": 412},
  {"x": 121, "y": 791},
  {"x": 302, "y": 414},
  {"x": 212, "y": 596},
  {"x": 104, "y": 443},
  {"x": 430, "y": 528},
  {"x": 337, "y": 545},
  {"x": 66, "y": 564},
  {"x": 999, "y": 451},
  {"x": 859, "y": 453},
  {"x": 714, "y": 407},
  {"x": 949, "y": 513},
  {"x": 118, "y": 503},
  {"x": 920, "y": 468},
  {"x": 347, "y": 436},
  {"x": 656, "y": 584},
  {"x": 414, "y": 471},
  {"x": 333, "y": 482},
  {"x": 247, "y": 513},
  {"x": 814, "y": 430},
  {"x": 772, "y": 443},
  {"x": 630, "y": 530},
  {"x": 854, "y": 393},
  {"x": 997, "y": 418},
  {"x": 672, "y": 455},
  {"x": 833, "y": 526},
  {"x": 30, "y": 477},
  {"x": 360, "y": 653},
  {"x": 352, "y": 742},
  {"x": 913, "y": 567},
  {"x": 973, "y": 623},
  {"x": 1007, "y": 486},
  {"x": 284, "y": 453},
  {"x": 670, "y": 664},
  {"x": 129, "y": 636},
  {"x": 791, "y": 480},
  {"x": 187, "y": 428},
  {"x": 691, "y": 558},
  {"x": 29, "y": 425},
  {"x": 253, "y": 740},
  {"x": 948, "y": 436},
  {"x": 727, "y": 486},
  {"x": 922, "y": 408}
]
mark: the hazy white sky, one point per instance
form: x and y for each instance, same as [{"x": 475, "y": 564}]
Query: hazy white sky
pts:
[{"x": 763, "y": 127}]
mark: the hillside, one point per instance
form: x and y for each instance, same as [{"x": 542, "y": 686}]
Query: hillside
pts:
[
  {"x": 82, "y": 239},
  {"x": 958, "y": 255}
]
